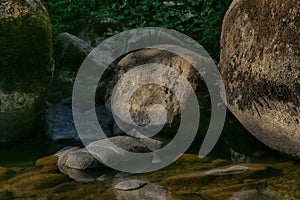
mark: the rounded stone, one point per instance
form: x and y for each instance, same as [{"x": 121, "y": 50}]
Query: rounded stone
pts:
[
  {"x": 260, "y": 67},
  {"x": 79, "y": 159},
  {"x": 26, "y": 65}
]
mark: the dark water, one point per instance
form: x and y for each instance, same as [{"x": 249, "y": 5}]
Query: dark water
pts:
[{"x": 27, "y": 172}]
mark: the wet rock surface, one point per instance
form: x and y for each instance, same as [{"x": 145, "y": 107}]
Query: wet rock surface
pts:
[{"x": 130, "y": 185}]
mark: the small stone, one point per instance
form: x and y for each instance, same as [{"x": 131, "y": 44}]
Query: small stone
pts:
[
  {"x": 233, "y": 169},
  {"x": 130, "y": 185},
  {"x": 103, "y": 177}
]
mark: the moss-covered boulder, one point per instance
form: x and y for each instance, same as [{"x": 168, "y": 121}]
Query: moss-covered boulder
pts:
[{"x": 26, "y": 65}]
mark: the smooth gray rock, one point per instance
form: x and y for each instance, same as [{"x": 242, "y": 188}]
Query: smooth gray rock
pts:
[
  {"x": 130, "y": 185},
  {"x": 66, "y": 150},
  {"x": 79, "y": 159},
  {"x": 230, "y": 170},
  {"x": 147, "y": 192},
  {"x": 62, "y": 128},
  {"x": 106, "y": 153},
  {"x": 60, "y": 122},
  {"x": 77, "y": 175}
]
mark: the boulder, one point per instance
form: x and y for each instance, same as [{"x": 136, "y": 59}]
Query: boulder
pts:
[
  {"x": 105, "y": 153},
  {"x": 61, "y": 125},
  {"x": 62, "y": 128},
  {"x": 69, "y": 51},
  {"x": 26, "y": 65},
  {"x": 143, "y": 98},
  {"x": 260, "y": 66}
]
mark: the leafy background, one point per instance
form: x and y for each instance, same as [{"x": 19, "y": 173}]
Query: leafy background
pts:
[{"x": 199, "y": 19}]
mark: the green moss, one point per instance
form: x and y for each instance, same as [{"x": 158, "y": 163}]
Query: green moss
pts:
[
  {"x": 26, "y": 52},
  {"x": 40, "y": 181}
]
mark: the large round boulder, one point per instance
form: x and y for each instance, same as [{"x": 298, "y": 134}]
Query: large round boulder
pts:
[
  {"x": 26, "y": 65},
  {"x": 260, "y": 66},
  {"x": 144, "y": 99}
]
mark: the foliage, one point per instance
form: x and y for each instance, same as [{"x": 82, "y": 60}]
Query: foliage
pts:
[{"x": 199, "y": 19}]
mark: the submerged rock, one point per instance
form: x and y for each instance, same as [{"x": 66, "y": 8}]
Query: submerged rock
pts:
[
  {"x": 233, "y": 169},
  {"x": 26, "y": 65},
  {"x": 259, "y": 63},
  {"x": 130, "y": 185},
  {"x": 255, "y": 195},
  {"x": 140, "y": 190}
]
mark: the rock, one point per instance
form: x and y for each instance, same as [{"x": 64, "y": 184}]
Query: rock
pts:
[
  {"x": 129, "y": 144},
  {"x": 117, "y": 131},
  {"x": 66, "y": 150},
  {"x": 100, "y": 93},
  {"x": 237, "y": 157},
  {"x": 130, "y": 185},
  {"x": 26, "y": 65},
  {"x": 62, "y": 128},
  {"x": 255, "y": 194},
  {"x": 259, "y": 63},
  {"x": 70, "y": 51},
  {"x": 77, "y": 175},
  {"x": 122, "y": 175},
  {"x": 61, "y": 125},
  {"x": 103, "y": 177},
  {"x": 107, "y": 154},
  {"x": 149, "y": 191},
  {"x": 104, "y": 116},
  {"x": 79, "y": 159},
  {"x": 230, "y": 170},
  {"x": 152, "y": 94}
]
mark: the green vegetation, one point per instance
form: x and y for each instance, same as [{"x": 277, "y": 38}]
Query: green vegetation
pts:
[{"x": 199, "y": 19}]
